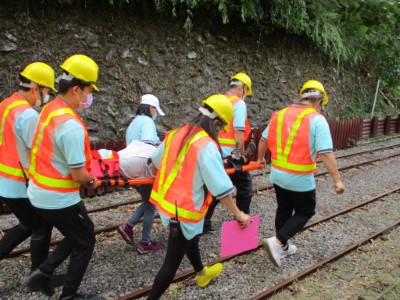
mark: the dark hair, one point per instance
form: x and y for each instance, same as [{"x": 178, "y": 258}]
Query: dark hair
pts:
[
  {"x": 64, "y": 85},
  {"x": 143, "y": 109},
  {"x": 24, "y": 80}
]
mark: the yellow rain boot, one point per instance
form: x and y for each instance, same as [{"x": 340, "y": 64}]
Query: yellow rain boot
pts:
[{"x": 210, "y": 273}]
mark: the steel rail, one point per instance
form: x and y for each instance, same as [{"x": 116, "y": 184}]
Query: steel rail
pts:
[
  {"x": 268, "y": 187},
  {"x": 288, "y": 281},
  {"x": 185, "y": 274},
  {"x": 138, "y": 200},
  {"x": 115, "y": 226},
  {"x": 347, "y": 155}
]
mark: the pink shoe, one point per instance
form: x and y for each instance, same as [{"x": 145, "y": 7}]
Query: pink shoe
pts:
[
  {"x": 152, "y": 246},
  {"x": 126, "y": 233}
]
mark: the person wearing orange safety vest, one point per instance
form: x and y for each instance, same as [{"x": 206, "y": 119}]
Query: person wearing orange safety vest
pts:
[
  {"x": 60, "y": 164},
  {"x": 232, "y": 139},
  {"x": 17, "y": 124},
  {"x": 189, "y": 168},
  {"x": 297, "y": 136}
]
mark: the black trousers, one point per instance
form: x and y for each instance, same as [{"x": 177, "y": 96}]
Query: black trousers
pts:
[
  {"x": 244, "y": 185},
  {"x": 31, "y": 225},
  {"x": 177, "y": 248},
  {"x": 78, "y": 243},
  {"x": 293, "y": 212}
]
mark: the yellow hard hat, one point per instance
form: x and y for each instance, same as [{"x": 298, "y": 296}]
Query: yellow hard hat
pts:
[
  {"x": 246, "y": 80},
  {"x": 221, "y": 105},
  {"x": 315, "y": 85},
  {"x": 82, "y": 67},
  {"x": 40, "y": 73}
]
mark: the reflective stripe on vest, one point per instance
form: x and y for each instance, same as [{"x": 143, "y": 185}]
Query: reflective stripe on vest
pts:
[
  {"x": 9, "y": 159},
  {"x": 282, "y": 154},
  {"x": 164, "y": 181},
  {"x": 42, "y": 180},
  {"x": 41, "y": 169},
  {"x": 226, "y": 138}
]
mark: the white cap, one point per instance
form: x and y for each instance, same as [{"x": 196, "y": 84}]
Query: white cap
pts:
[{"x": 153, "y": 101}]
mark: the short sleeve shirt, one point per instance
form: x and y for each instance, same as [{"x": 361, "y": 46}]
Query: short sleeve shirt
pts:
[
  {"x": 68, "y": 153},
  {"x": 142, "y": 128}
]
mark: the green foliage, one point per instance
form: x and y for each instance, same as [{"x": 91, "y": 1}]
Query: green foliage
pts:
[
  {"x": 359, "y": 33},
  {"x": 353, "y": 32}
]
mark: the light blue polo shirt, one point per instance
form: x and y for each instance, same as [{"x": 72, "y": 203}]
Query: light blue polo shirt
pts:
[
  {"x": 68, "y": 152},
  {"x": 24, "y": 130},
  {"x": 239, "y": 121},
  {"x": 210, "y": 172},
  {"x": 320, "y": 142},
  {"x": 142, "y": 128}
]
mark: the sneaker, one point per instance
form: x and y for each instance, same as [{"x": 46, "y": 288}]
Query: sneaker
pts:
[
  {"x": 39, "y": 281},
  {"x": 292, "y": 249},
  {"x": 81, "y": 297},
  {"x": 250, "y": 151},
  {"x": 126, "y": 233},
  {"x": 210, "y": 273},
  {"x": 274, "y": 251},
  {"x": 152, "y": 246}
]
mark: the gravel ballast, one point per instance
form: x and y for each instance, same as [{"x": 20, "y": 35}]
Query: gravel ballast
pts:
[{"x": 116, "y": 268}]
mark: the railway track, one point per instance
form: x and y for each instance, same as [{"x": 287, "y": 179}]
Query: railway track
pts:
[
  {"x": 254, "y": 174},
  {"x": 111, "y": 243},
  {"x": 107, "y": 228},
  {"x": 286, "y": 282}
]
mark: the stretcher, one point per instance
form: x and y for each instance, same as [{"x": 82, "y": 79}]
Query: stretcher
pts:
[{"x": 124, "y": 182}]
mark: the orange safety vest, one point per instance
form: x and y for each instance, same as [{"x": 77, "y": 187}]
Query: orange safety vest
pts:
[
  {"x": 41, "y": 171},
  {"x": 174, "y": 180},
  {"x": 226, "y": 137},
  {"x": 288, "y": 140},
  {"x": 9, "y": 159}
]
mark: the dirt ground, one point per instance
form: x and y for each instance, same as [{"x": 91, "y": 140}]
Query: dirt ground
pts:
[{"x": 372, "y": 272}]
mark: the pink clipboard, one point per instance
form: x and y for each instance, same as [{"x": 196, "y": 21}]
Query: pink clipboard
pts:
[{"x": 236, "y": 240}]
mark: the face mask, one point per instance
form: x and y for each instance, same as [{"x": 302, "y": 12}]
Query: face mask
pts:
[
  {"x": 88, "y": 103},
  {"x": 38, "y": 103},
  {"x": 46, "y": 98},
  {"x": 154, "y": 117}
]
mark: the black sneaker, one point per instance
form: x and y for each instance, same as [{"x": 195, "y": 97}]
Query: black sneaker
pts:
[
  {"x": 39, "y": 281},
  {"x": 250, "y": 151},
  {"x": 81, "y": 297}
]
